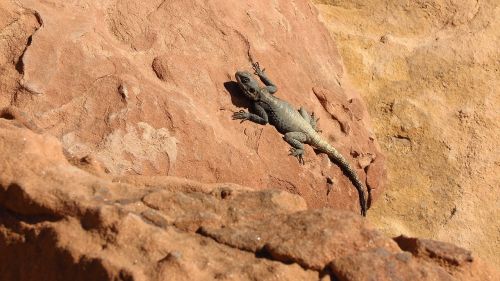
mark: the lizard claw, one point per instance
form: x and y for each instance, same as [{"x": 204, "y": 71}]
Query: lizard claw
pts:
[
  {"x": 240, "y": 115},
  {"x": 299, "y": 153},
  {"x": 314, "y": 123},
  {"x": 257, "y": 69},
  {"x": 313, "y": 116}
]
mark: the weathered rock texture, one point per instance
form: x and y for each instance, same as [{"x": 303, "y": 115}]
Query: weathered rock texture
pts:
[
  {"x": 109, "y": 112},
  {"x": 144, "y": 88},
  {"x": 430, "y": 73},
  {"x": 61, "y": 222}
]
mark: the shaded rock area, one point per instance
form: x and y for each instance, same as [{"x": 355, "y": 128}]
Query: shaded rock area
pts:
[
  {"x": 429, "y": 72},
  {"x": 145, "y": 88},
  {"x": 64, "y": 222}
]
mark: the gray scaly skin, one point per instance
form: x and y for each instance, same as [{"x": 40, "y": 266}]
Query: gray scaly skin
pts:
[{"x": 297, "y": 126}]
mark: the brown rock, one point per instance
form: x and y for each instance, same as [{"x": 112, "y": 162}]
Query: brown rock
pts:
[
  {"x": 379, "y": 264},
  {"x": 113, "y": 111},
  {"x": 309, "y": 238},
  {"x": 441, "y": 252},
  {"x": 22, "y": 119},
  {"x": 160, "y": 69},
  {"x": 428, "y": 72},
  {"x": 61, "y": 222},
  {"x": 144, "y": 89},
  {"x": 457, "y": 261},
  {"x": 17, "y": 25}
]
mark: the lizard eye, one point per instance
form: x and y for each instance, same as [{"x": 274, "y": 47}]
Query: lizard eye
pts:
[
  {"x": 251, "y": 90},
  {"x": 244, "y": 79}
]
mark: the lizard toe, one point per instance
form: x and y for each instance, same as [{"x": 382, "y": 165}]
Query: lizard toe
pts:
[{"x": 298, "y": 153}]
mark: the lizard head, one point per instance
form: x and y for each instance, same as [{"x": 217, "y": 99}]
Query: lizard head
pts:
[{"x": 248, "y": 85}]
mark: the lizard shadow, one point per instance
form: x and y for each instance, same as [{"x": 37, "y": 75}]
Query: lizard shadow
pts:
[{"x": 237, "y": 97}]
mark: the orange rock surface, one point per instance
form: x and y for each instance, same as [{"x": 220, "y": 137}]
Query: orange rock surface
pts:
[
  {"x": 120, "y": 160},
  {"x": 60, "y": 222},
  {"x": 429, "y": 73},
  {"x": 145, "y": 89}
]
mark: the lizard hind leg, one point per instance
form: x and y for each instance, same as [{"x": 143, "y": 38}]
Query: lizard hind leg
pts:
[
  {"x": 296, "y": 140},
  {"x": 311, "y": 118}
]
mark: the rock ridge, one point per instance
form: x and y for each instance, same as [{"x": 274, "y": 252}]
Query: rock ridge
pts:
[{"x": 70, "y": 222}]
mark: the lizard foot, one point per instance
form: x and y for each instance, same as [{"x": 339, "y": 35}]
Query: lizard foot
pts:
[
  {"x": 256, "y": 68},
  {"x": 314, "y": 123},
  {"x": 299, "y": 153},
  {"x": 241, "y": 115}
]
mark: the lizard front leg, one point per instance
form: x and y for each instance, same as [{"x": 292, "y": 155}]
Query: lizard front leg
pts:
[
  {"x": 296, "y": 140},
  {"x": 271, "y": 88},
  {"x": 259, "y": 117}
]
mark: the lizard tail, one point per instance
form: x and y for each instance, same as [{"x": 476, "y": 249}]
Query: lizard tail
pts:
[{"x": 338, "y": 159}]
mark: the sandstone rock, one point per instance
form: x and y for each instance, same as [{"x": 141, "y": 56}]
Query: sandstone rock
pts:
[
  {"x": 145, "y": 89},
  {"x": 310, "y": 238},
  {"x": 113, "y": 113},
  {"x": 60, "y": 222},
  {"x": 17, "y": 26},
  {"x": 381, "y": 264},
  {"x": 428, "y": 71},
  {"x": 445, "y": 253},
  {"x": 63, "y": 223},
  {"x": 458, "y": 262}
]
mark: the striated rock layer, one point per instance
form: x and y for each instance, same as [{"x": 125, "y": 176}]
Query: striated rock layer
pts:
[
  {"x": 429, "y": 71},
  {"x": 58, "y": 221},
  {"x": 144, "y": 87}
]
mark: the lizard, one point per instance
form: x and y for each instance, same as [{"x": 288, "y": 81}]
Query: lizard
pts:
[{"x": 298, "y": 127}]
